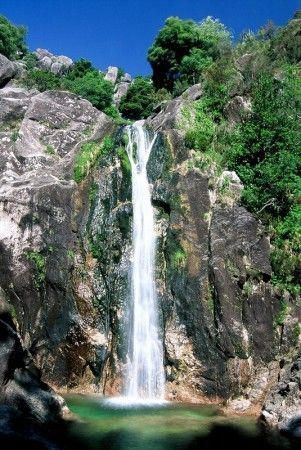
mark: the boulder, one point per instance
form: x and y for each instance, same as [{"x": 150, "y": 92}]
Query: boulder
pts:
[
  {"x": 121, "y": 90},
  {"x": 20, "y": 380},
  {"x": 45, "y": 63},
  {"x": 282, "y": 407},
  {"x": 126, "y": 78},
  {"x": 170, "y": 115},
  {"x": 53, "y": 63},
  {"x": 111, "y": 74},
  {"x": 8, "y": 70},
  {"x": 14, "y": 102},
  {"x": 237, "y": 109}
]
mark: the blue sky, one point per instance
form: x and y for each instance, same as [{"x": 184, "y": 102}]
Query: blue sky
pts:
[{"x": 119, "y": 32}]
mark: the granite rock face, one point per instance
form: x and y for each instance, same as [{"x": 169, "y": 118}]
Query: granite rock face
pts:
[
  {"x": 38, "y": 233},
  {"x": 55, "y": 64},
  {"x": 8, "y": 70}
]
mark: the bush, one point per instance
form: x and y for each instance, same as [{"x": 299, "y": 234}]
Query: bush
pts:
[
  {"x": 88, "y": 155},
  {"x": 266, "y": 155},
  {"x": 79, "y": 69},
  {"x": 201, "y": 128},
  {"x": 93, "y": 87},
  {"x": 139, "y": 101},
  {"x": 12, "y": 39},
  {"x": 41, "y": 80}
]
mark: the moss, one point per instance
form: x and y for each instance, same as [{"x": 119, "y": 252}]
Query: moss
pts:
[
  {"x": 39, "y": 262},
  {"x": 124, "y": 224},
  {"x": 296, "y": 331},
  {"x": 282, "y": 313},
  {"x": 15, "y": 136},
  {"x": 10, "y": 125},
  {"x": 50, "y": 150},
  {"x": 93, "y": 191},
  {"x": 70, "y": 254},
  {"x": 124, "y": 161},
  {"x": 247, "y": 288},
  {"x": 88, "y": 155}
]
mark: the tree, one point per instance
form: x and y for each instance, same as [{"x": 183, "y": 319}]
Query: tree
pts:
[
  {"x": 79, "y": 69},
  {"x": 267, "y": 156},
  {"x": 93, "y": 87},
  {"x": 12, "y": 39},
  {"x": 139, "y": 101},
  {"x": 182, "y": 45}
]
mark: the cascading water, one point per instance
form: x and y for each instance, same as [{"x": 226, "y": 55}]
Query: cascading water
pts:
[{"x": 145, "y": 375}]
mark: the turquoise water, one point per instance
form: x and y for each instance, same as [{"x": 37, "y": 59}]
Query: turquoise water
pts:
[{"x": 170, "y": 427}]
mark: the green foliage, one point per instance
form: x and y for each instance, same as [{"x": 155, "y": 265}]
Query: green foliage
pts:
[
  {"x": 15, "y": 136},
  {"x": 201, "y": 127},
  {"x": 286, "y": 255},
  {"x": 184, "y": 48},
  {"x": 280, "y": 317},
  {"x": 139, "y": 101},
  {"x": 265, "y": 152},
  {"x": 82, "y": 79},
  {"x": 12, "y": 39},
  {"x": 93, "y": 87},
  {"x": 88, "y": 155},
  {"x": 30, "y": 60},
  {"x": 286, "y": 42},
  {"x": 50, "y": 149},
  {"x": 39, "y": 262},
  {"x": 79, "y": 69},
  {"x": 266, "y": 155},
  {"x": 42, "y": 80},
  {"x": 93, "y": 191}
]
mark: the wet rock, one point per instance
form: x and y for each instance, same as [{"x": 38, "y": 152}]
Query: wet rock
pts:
[
  {"x": 282, "y": 406},
  {"x": 20, "y": 383}
]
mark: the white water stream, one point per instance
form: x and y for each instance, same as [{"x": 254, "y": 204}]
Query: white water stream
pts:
[{"x": 145, "y": 374}]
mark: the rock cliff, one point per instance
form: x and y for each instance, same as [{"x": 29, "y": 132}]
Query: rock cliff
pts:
[{"x": 66, "y": 249}]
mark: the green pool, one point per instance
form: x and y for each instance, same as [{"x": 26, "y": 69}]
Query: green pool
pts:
[{"x": 172, "y": 426}]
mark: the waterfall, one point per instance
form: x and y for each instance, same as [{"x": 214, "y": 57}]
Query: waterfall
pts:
[{"x": 145, "y": 374}]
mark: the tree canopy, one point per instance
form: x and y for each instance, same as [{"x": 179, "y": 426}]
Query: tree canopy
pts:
[
  {"x": 12, "y": 39},
  {"x": 183, "y": 48}
]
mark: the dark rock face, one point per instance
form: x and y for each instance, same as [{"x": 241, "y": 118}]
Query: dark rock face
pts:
[
  {"x": 20, "y": 381},
  {"x": 283, "y": 403}
]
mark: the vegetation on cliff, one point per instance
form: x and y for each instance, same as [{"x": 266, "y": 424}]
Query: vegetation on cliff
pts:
[{"x": 264, "y": 146}]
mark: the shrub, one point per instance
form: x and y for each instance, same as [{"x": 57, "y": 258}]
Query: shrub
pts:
[
  {"x": 93, "y": 87},
  {"x": 41, "y": 80},
  {"x": 12, "y": 39},
  {"x": 88, "y": 155},
  {"x": 201, "y": 127},
  {"x": 139, "y": 101}
]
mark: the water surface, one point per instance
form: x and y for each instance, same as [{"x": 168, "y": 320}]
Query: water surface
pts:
[{"x": 169, "y": 427}]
